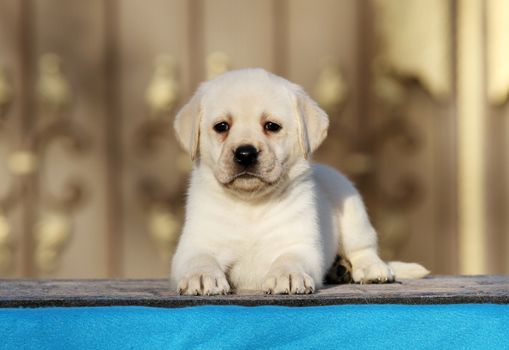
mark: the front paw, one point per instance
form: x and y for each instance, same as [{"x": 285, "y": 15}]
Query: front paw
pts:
[
  {"x": 367, "y": 267},
  {"x": 289, "y": 283},
  {"x": 371, "y": 269},
  {"x": 204, "y": 284}
]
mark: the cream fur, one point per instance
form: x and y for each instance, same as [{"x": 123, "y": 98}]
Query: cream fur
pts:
[{"x": 279, "y": 230}]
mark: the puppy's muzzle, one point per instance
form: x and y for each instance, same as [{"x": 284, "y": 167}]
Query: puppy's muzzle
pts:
[{"x": 246, "y": 155}]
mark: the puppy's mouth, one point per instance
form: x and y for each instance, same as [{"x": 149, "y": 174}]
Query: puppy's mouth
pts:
[
  {"x": 246, "y": 175},
  {"x": 248, "y": 182}
]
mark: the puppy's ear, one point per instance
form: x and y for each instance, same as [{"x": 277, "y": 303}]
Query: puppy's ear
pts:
[
  {"x": 313, "y": 123},
  {"x": 187, "y": 125}
]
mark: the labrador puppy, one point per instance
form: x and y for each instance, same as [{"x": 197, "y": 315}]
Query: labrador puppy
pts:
[{"x": 260, "y": 215}]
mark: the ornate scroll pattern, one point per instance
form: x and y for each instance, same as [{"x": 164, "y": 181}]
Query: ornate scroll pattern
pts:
[
  {"x": 217, "y": 63},
  {"x": 415, "y": 39},
  {"x": 162, "y": 91},
  {"x": 395, "y": 132},
  {"x": 330, "y": 90},
  {"x": 53, "y": 88},
  {"x": 164, "y": 210},
  {"x": 415, "y": 47},
  {"x": 331, "y": 93},
  {"x": 53, "y": 230},
  {"x": 19, "y": 164},
  {"x": 160, "y": 97},
  {"x": 52, "y": 233},
  {"x": 162, "y": 205}
]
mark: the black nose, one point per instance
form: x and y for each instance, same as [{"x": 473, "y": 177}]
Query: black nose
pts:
[{"x": 246, "y": 155}]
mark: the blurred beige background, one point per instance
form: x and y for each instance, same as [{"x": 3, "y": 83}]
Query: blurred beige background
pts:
[{"x": 92, "y": 182}]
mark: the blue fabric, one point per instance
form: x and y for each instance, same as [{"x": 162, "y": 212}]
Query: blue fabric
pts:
[{"x": 484, "y": 326}]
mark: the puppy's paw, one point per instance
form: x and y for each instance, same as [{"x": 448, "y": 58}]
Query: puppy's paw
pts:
[
  {"x": 289, "y": 283},
  {"x": 204, "y": 284},
  {"x": 372, "y": 272}
]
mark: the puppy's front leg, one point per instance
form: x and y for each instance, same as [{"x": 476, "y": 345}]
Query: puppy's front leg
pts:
[
  {"x": 359, "y": 243},
  {"x": 202, "y": 275},
  {"x": 287, "y": 276}
]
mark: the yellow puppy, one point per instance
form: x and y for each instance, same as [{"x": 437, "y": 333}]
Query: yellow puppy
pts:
[{"x": 260, "y": 215}]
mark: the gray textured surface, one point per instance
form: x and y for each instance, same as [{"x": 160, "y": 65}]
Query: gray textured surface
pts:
[{"x": 431, "y": 290}]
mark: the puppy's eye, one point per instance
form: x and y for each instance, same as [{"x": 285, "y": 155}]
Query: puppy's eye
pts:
[
  {"x": 222, "y": 127},
  {"x": 272, "y": 127}
]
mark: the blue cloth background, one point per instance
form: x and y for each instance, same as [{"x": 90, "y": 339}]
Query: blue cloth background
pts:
[{"x": 484, "y": 326}]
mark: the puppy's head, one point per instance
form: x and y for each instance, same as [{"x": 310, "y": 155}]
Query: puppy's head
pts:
[{"x": 250, "y": 127}]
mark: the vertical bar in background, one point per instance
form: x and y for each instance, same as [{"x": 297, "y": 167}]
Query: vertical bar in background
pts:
[
  {"x": 113, "y": 124},
  {"x": 497, "y": 79},
  {"x": 27, "y": 113},
  {"x": 497, "y": 27},
  {"x": 16, "y": 260},
  {"x": 471, "y": 137}
]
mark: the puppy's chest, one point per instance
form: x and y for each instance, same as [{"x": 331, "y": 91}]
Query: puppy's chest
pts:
[
  {"x": 257, "y": 223},
  {"x": 256, "y": 233}
]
